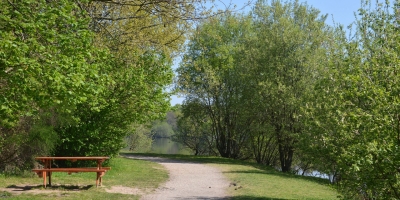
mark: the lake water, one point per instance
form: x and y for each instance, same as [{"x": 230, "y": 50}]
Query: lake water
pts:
[
  {"x": 167, "y": 146},
  {"x": 315, "y": 174}
]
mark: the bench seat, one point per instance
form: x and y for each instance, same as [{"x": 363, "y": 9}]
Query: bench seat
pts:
[{"x": 76, "y": 170}]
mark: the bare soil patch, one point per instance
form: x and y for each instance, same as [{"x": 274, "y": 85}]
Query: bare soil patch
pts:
[{"x": 125, "y": 190}]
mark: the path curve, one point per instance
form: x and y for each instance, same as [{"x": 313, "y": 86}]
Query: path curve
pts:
[{"x": 188, "y": 181}]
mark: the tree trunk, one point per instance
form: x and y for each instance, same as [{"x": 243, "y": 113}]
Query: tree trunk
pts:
[{"x": 285, "y": 156}]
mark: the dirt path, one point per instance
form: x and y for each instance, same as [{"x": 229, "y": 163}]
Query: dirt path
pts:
[{"x": 189, "y": 181}]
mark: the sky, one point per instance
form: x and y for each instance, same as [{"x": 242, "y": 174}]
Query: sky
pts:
[{"x": 339, "y": 11}]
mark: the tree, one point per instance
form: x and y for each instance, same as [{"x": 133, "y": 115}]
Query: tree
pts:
[
  {"x": 136, "y": 26},
  {"x": 47, "y": 59},
  {"x": 143, "y": 37},
  {"x": 253, "y": 74},
  {"x": 140, "y": 139},
  {"x": 263, "y": 143},
  {"x": 355, "y": 119},
  {"x": 172, "y": 117},
  {"x": 136, "y": 97},
  {"x": 162, "y": 129},
  {"x": 193, "y": 130},
  {"x": 209, "y": 77},
  {"x": 48, "y": 66},
  {"x": 86, "y": 70},
  {"x": 287, "y": 53}
]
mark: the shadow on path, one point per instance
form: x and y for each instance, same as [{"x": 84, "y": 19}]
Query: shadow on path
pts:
[{"x": 16, "y": 188}]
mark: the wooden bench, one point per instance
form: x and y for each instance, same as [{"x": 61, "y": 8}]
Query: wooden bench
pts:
[{"x": 47, "y": 170}]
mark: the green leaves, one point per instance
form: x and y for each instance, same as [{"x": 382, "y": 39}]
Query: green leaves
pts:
[
  {"x": 255, "y": 71},
  {"x": 210, "y": 76},
  {"x": 289, "y": 54},
  {"x": 356, "y": 109},
  {"x": 46, "y": 53}
]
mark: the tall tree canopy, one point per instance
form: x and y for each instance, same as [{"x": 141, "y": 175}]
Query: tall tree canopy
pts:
[
  {"x": 354, "y": 120},
  {"x": 47, "y": 59},
  {"x": 143, "y": 37},
  {"x": 78, "y": 74},
  {"x": 289, "y": 50},
  {"x": 209, "y": 75},
  {"x": 252, "y": 74},
  {"x": 49, "y": 66}
]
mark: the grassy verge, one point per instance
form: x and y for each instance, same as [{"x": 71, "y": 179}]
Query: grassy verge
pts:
[
  {"x": 129, "y": 173},
  {"x": 253, "y": 181}
]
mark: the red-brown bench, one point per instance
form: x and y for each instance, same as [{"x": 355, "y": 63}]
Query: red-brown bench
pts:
[{"x": 47, "y": 170}]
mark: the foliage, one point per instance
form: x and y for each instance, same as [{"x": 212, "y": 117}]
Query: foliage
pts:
[
  {"x": 251, "y": 75},
  {"x": 162, "y": 129},
  {"x": 46, "y": 59},
  {"x": 289, "y": 52},
  {"x": 86, "y": 70},
  {"x": 136, "y": 97},
  {"x": 56, "y": 73},
  {"x": 172, "y": 116},
  {"x": 136, "y": 26},
  {"x": 208, "y": 76},
  {"x": 264, "y": 144},
  {"x": 48, "y": 66},
  {"x": 140, "y": 139},
  {"x": 143, "y": 41},
  {"x": 354, "y": 120},
  {"x": 193, "y": 130}
]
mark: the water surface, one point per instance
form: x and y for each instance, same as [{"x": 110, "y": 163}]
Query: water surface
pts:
[{"x": 167, "y": 146}]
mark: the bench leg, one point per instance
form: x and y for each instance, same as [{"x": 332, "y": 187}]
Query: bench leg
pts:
[
  {"x": 97, "y": 179},
  {"x": 47, "y": 166},
  {"x": 49, "y": 178},
  {"x": 44, "y": 179}
]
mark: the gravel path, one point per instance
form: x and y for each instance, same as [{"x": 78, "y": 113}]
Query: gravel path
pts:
[{"x": 189, "y": 181}]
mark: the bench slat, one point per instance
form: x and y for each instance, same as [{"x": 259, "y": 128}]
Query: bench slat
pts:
[
  {"x": 103, "y": 169},
  {"x": 107, "y": 168}
]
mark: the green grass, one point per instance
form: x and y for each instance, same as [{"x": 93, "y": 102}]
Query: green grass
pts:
[
  {"x": 252, "y": 181},
  {"x": 268, "y": 184}
]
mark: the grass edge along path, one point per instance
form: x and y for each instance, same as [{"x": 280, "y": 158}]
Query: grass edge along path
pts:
[{"x": 258, "y": 182}]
